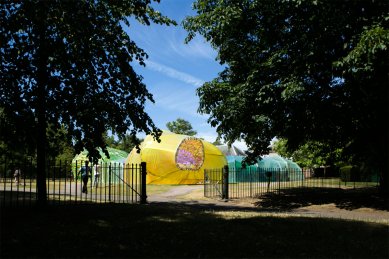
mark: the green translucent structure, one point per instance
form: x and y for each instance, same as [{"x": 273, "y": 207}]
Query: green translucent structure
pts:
[
  {"x": 114, "y": 165},
  {"x": 271, "y": 167}
]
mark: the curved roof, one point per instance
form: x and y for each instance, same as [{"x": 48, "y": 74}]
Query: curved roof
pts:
[
  {"x": 115, "y": 155},
  {"x": 177, "y": 159},
  {"x": 230, "y": 150}
]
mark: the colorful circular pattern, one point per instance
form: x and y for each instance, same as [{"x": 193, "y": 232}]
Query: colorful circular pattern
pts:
[{"x": 190, "y": 154}]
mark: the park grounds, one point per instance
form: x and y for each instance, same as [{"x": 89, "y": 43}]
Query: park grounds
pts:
[{"x": 179, "y": 222}]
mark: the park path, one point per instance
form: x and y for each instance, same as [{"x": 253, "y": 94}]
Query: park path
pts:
[
  {"x": 193, "y": 196},
  {"x": 178, "y": 193}
]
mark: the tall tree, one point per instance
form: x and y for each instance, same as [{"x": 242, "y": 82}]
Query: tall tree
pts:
[
  {"x": 310, "y": 70},
  {"x": 69, "y": 63},
  {"x": 181, "y": 126}
]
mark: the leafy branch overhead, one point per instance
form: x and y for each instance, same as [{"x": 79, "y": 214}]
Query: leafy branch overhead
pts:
[
  {"x": 299, "y": 70},
  {"x": 87, "y": 79}
]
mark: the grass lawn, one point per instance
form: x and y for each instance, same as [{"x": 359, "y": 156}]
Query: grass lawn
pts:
[
  {"x": 62, "y": 185},
  {"x": 252, "y": 189},
  {"x": 66, "y": 191},
  {"x": 171, "y": 230}
]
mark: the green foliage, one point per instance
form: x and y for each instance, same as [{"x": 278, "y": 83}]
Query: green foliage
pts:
[
  {"x": 348, "y": 173},
  {"x": 60, "y": 146},
  {"x": 69, "y": 64},
  {"x": 280, "y": 147},
  {"x": 66, "y": 155},
  {"x": 13, "y": 146},
  {"x": 125, "y": 143},
  {"x": 306, "y": 71},
  {"x": 217, "y": 142},
  {"x": 312, "y": 154},
  {"x": 181, "y": 126},
  {"x": 351, "y": 173}
]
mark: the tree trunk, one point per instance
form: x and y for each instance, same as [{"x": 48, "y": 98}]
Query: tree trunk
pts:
[
  {"x": 42, "y": 79},
  {"x": 384, "y": 183}
]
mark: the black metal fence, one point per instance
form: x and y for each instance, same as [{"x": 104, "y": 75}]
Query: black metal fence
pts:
[
  {"x": 252, "y": 182},
  {"x": 102, "y": 183}
]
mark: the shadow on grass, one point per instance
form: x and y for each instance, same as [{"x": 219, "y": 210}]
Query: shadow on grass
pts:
[
  {"x": 165, "y": 230},
  {"x": 349, "y": 199}
]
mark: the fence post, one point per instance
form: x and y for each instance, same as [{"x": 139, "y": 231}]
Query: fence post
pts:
[
  {"x": 302, "y": 177},
  {"x": 251, "y": 182},
  {"x": 109, "y": 182},
  {"x": 225, "y": 183},
  {"x": 143, "y": 196},
  {"x": 205, "y": 182},
  {"x": 268, "y": 175}
]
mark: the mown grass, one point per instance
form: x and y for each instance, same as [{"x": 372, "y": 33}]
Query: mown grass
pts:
[
  {"x": 61, "y": 186},
  {"x": 171, "y": 230},
  {"x": 65, "y": 191}
]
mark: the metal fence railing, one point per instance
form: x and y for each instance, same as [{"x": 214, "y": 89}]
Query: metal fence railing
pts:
[
  {"x": 213, "y": 183},
  {"x": 102, "y": 183},
  {"x": 251, "y": 182}
]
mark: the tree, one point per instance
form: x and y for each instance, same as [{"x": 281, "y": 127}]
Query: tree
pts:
[
  {"x": 217, "y": 142},
  {"x": 21, "y": 149},
  {"x": 59, "y": 144},
  {"x": 311, "y": 154},
  {"x": 128, "y": 142},
  {"x": 125, "y": 143},
  {"x": 299, "y": 70},
  {"x": 181, "y": 126},
  {"x": 69, "y": 63}
]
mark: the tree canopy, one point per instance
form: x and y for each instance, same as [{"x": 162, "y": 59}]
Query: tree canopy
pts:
[
  {"x": 312, "y": 154},
  {"x": 299, "y": 70},
  {"x": 181, "y": 126},
  {"x": 68, "y": 64},
  {"x": 125, "y": 143}
]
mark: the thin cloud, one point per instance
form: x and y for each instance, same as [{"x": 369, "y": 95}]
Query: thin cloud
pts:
[
  {"x": 180, "y": 101},
  {"x": 173, "y": 73},
  {"x": 196, "y": 48}
]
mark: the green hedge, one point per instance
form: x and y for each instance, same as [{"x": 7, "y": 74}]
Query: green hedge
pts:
[
  {"x": 349, "y": 173},
  {"x": 356, "y": 174}
]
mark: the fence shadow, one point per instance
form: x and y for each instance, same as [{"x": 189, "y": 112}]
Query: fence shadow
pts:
[
  {"x": 349, "y": 199},
  {"x": 171, "y": 231}
]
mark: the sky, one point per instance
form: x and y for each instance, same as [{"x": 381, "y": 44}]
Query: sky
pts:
[{"x": 174, "y": 70}]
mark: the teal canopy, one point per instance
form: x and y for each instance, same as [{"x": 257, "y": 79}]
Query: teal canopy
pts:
[{"x": 280, "y": 169}]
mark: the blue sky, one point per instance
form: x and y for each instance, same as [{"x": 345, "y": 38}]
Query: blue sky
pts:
[{"x": 174, "y": 70}]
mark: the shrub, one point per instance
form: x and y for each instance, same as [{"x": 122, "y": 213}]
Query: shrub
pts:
[
  {"x": 349, "y": 173},
  {"x": 331, "y": 171},
  {"x": 358, "y": 174}
]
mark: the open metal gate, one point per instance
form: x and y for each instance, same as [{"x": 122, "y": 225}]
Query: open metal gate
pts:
[{"x": 216, "y": 183}]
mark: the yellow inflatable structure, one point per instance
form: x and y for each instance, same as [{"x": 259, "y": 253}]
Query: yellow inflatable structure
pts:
[{"x": 177, "y": 159}]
